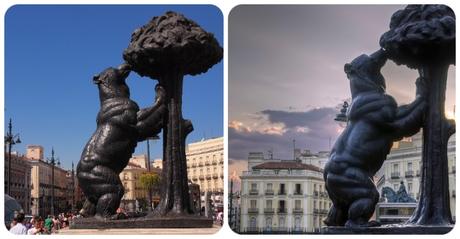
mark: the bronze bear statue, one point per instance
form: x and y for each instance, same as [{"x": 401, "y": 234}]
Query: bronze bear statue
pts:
[
  {"x": 120, "y": 125},
  {"x": 374, "y": 123}
]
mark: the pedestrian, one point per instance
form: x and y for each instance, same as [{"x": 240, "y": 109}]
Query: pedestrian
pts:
[
  {"x": 19, "y": 228},
  {"x": 36, "y": 229},
  {"x": 49, "y": 224}
]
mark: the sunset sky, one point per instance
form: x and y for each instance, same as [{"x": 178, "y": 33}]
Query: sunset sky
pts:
[{"x": 286, "y": 78}]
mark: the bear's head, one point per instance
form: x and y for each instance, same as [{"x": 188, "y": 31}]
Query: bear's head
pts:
[
  {"x": 364, "y": 73},
  {"x": 111, "y": 82}
]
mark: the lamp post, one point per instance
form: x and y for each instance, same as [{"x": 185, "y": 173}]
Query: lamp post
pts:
[
  {"x": 53, "y": 162},
  {"x": 230, "y": 208},
  {"x": 10, "y": 140},
  {"x": 73, "y": 189}
]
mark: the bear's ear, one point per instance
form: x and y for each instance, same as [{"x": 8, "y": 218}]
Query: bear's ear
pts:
[
  {"x": 347, "y": 68},
  {"x": 96, "y": 79}
]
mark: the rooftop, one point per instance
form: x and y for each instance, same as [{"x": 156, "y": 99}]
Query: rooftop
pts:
[{"x": 287, "y": 164}]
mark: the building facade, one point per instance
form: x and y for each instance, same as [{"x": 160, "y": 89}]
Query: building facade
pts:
[
  {"x": 135, "y": 193},
  {"x": 205, "y": 167},
  {"x": 42, "y": 184},
  {"x": 403, "y": 164},
  {"x": 282, "y": 196},
  {"x": 20, "y": 180}
]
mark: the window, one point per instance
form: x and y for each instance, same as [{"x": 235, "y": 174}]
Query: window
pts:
[
  {"x": 253, "y": 186},
  {"x": 314, "y": 204},
  {"x": 395, "y": 168},
  {"x": 268, "y": 204},
  {"x": 409, "y": 166},
  {"x": 253, "y": 222},
  {"x": 282, "y": 188},
  {"x": 297, "y": 223},
  {"x": 298, "y": 188},
  {"x": 269, "y": 186},
  {"x": 409, "y": 187},
  {"x": 297, "y": 204},
  {"x": 268, "y": 223},
  {"x": 282, "y": 221},
  {"x": 282, "y": 205},
  {"x": 253, "y": 203}
]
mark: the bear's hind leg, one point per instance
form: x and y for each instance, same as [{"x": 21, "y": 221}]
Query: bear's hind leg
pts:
[
  {"x": 88, "y": 209},
  {"x": 336, "y": 216},
  {"x": 108, "y": 205},
  {"x": 361, "y": 211}
]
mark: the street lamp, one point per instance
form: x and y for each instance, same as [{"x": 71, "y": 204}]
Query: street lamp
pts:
[
  {"x": 10, "y": 140},
  {"x": 53, "y": 163}
]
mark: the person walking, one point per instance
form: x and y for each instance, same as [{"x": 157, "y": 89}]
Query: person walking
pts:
[
  {"x": 19, "y": 228},
  {"x": 49, "y": 224}
]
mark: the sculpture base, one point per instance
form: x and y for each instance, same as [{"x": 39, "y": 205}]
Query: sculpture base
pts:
[
  {"x": 142, "y": 222},
  {"x": 389, "y": 229}
]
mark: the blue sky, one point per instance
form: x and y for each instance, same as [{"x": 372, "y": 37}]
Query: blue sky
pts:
[{"x": 51, "y": 54}]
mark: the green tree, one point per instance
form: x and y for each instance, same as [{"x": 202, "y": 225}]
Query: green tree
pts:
[{"x": 150, "y": 181}]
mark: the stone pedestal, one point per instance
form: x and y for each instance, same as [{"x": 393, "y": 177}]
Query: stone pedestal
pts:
[
  {"x": 400, "y": 229},
  {"x": 142, "y": 222}
]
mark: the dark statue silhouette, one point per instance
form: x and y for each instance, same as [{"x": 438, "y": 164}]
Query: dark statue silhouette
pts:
[
  {"x": 374, "y": 122},
  {"x": 167, "y": 48},
  {"x": 421, "y": 37},
  {"x": 120, "y": 125}
]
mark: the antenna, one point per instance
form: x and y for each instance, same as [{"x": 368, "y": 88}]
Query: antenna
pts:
[{"x": 293, "y": 142}]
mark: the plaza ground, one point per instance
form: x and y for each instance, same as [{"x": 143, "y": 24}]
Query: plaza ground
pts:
[{"x": 141, "y": 231}]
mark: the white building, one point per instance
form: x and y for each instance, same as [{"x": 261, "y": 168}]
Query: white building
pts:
[
  {"x": 403, "y": 164},
  {"x": 283, "y": 196},
  {"x": 205, "y": 167}
]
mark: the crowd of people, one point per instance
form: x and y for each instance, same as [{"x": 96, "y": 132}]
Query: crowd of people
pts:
[{"x": 38, "y": 225}]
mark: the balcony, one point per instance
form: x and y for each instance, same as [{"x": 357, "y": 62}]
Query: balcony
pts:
[
  {"x": 324, "y": 211},
  {"x": 315, "y": 193},
  {"x": 253, "y": 192},
  {"x": 269, "y": 192},
  {"x": 297, "y": 210},
  {"x": 418, "y": 173},
  {"x": 269, "y": 210},
  {"x": 215, "y": 175},
  {"x": 214, "y": 162},
  {"x": 208, "y": 176},
  {"x": 298, "y": 192},
  {"x": 253, "y": 210},
  {"x": 323, "y": 194},
  {"x": 200, "y": 164},
  {"x": 282, "y": 210},
  {"x": 207, "y": 163},
  {"x": 395, "y": 175},
  {"x": 409, "y": 174},
  {"x": 193, "y": 165},
  {"x": 194, "y": 178},
  {"x": 201, "y": 177},
  {"x": 281, "y": 192},
  {"x": 315, "y": 210}
]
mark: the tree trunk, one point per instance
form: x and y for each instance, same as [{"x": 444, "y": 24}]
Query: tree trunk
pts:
[
  {"x": 434, "y": 203},
  {"x": 175, "y": 198}
]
